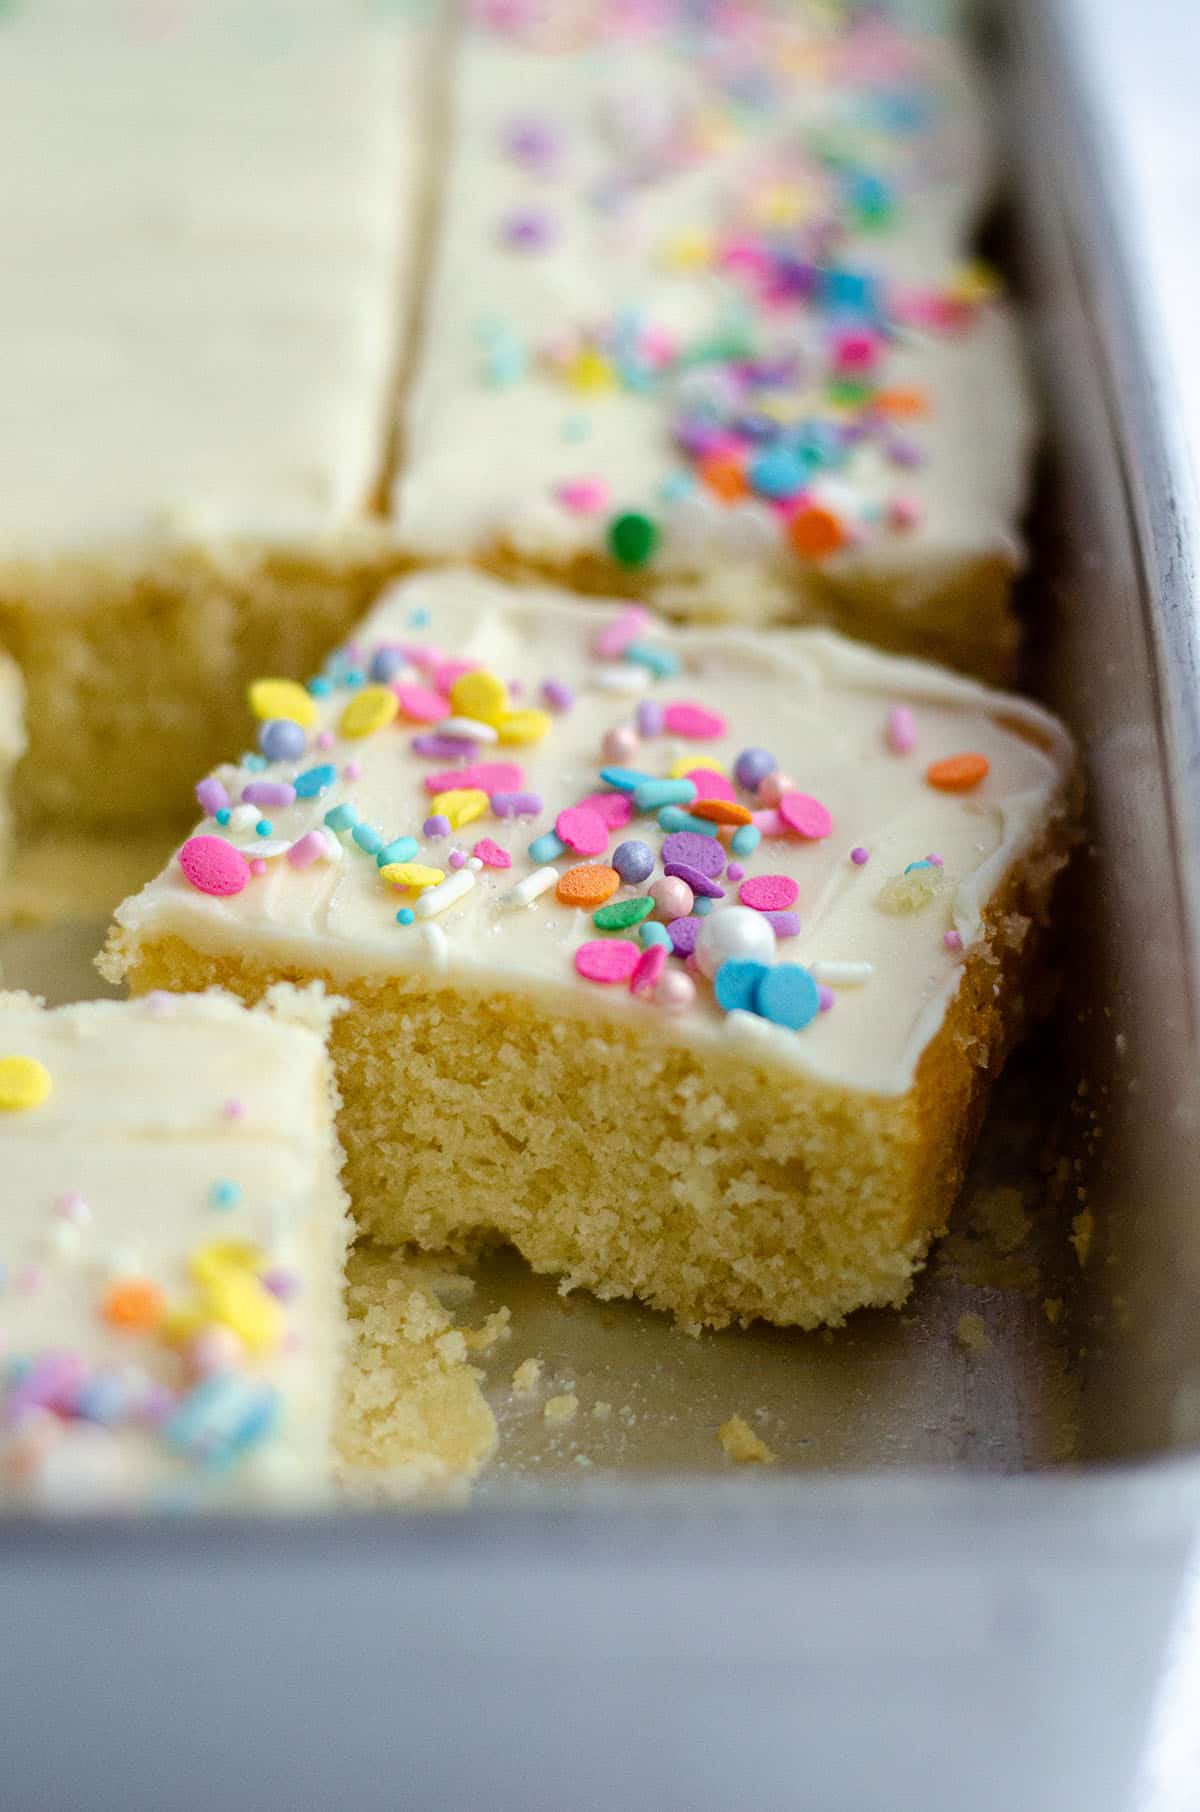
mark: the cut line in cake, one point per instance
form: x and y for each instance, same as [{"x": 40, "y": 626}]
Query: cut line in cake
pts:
[{"x": 681, "y": 959}]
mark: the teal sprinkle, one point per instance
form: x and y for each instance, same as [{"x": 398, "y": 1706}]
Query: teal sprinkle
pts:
[
  {"x": 625, "y": 780},
  {"x": 418, "y": 617},
  {"x": 319, "y": 687},
  {"x": 263, "y": 828},
  {"x": 223, "y": 815},
  {"x": 925, "y": 863},
  {"x": 674, "y": 818},
  {"x": 651, "y": 932},
  {"x": 745, "y": 840},
  {"x": 405, "y": 916},
  {"x": 661, "y": 661},
  {"x": 652, "y": 794},
  {"x": 677, "y": 485},
  {"x": 353, "y": 676},
  {"x": 703, "y": 906},
  {"x": 254, "y": 764},
  {"x": 403, "y": 849},
  {"x": 341, "y": 817},
  {"x": 368, "y": 838},
  {"x": 224, "y": 1194},
  {"x": 314, "y": 780},
  {"x": 546, "y": 847}
]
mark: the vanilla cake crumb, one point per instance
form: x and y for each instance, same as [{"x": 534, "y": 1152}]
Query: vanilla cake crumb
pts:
[
  {"x": 527, "y": 1377},
  {"x": 742, "y": 1445},
  {"x": 562, "y": 1408},
  {"x": 496, "y": 1328},
  {"x": 602, "y": 1411},
  {"x": 972, "y": 1333}
]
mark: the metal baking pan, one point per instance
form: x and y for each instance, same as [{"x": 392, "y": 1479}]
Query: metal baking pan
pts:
[{"x": 956, "y": 1590}]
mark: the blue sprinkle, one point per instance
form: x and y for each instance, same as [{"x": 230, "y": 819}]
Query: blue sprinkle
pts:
[
  {"x": 223, "y": 815},
  {"x": 254, "y": 763},
  {"x": 546, "y": 847},
  {"x": 403, "y": 849},
  {"x": 341, "y": 817},
  {"x": 103, "y": 1398},
  {"x": 353, "y": 676},
  {"x": 314, "y": 781},
  {"x": 263, "y": 828},
  {"x": 386, "y": 663},
  {"x": 405, "y": 916},
  {"x": 777, "y": 473},
  {"x": 924, "y": 863},
  {"x": 745, "y": 840},
  {"x": 624, "y": 780},
  {"x": 224, "y": 1194},
  {"x": 674, "y": 818},
  {"x": 319, "y": 687},
  {"x": 281, "y": 740},
  {"x": 788, "y": 997},
  {"x": 736, "y": 984},
  {"x": 368, "y": 838},
  {"x": 651, "y": 794},
  {"x": 222, "y": 1417},
  {"x": 418, "y": 617},
  {"x": 661, "y": 661},
  {"x": 677, "y": 485},
  {"x": 702, "y": 906},
  {"x": 651, "y": 932}
]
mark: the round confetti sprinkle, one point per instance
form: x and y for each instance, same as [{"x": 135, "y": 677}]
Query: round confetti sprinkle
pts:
[
  {"x": 24, "y": 1083},
  {"x": 582, "y": 830},
  {"x": 214, "y": 866},
  {"x": 693, "y": 721},
  {"x": 405, "y": 916},
  {"x": 633, "y": 861},
  {"x": 736, "y": 984},
  {"x": 710, "y": 784},
  {"x": 370, "y": 710},
  {"x": 281, "y": 698},
  {"x": 701, "y": 886},
  {"x": 697, "y": 850},
  {"x": 752, "y": 767},
  {"x": 622, "y": 915},
  {"x": 815, "y": 533},
  {"x": 650, "y": 966},
  {"x": 588, "y": 886},
  {"x": 806, "y": 816},
  {"x": 421, "y": 705},
  {"x": 480, "y": 694},
  {"x": 736, "y": 931},
  {"x": 607, "y": 960},
  {"x": 958, "y": 773},
  {"x": 281, "y": 740},
  {"x": 436, "y": 825},
  {"x": 386, "y": 664},
  {"x": 788, "y": 997},
  {"x": 522, "y": 727},
  {"x": 632, "y": 538},
  {"x": 769, "y": 893},
  {"x": 860, "y": 856},
  {"x": 683, "y": 933}
]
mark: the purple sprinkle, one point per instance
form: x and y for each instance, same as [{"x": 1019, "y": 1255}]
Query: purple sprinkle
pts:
[
  {"x": 825, "y": 996},
  {"x": 697, "y": 850},
  {"x": 269, "y": 792},
  {"x": 516, "y": 805},
  {"x": 735, "y": 871},
  {"x": 683, "y": 934},
  {"x": 784, "y": 924},
  {"x": 697, "y": 438},
  {"x": 558, "y": 696},
  {"x": 529, "y": 230},
  {"x": 533, "y": 143},
  {"x": 386, "y": 662},
  {"x": 860, "y": 855},
  {"x": 49, "y": 1383},
  {"x": 443, "y": 748},
  {"x": 283, "y": 1284},
  {"x": 953, "y": 940},
  {"x": 904, "y": 453},
  {"x": 211, "y": 796},
  {"x": 649, "y": 717},
  {"x": 696, "y": 879},
  {"x": 157, "y": 1404},
  {"x": 936, "y": 861},
  {"x": 436, "y": 826},
  {"x": 457, "y": 858}
]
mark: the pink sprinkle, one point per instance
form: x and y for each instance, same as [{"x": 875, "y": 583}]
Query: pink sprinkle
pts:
[
  {"x": 936, "y": 861},
  {"x": 805, "y": 815},
  {"x": 769, "y": 893},
  {"x": 582, "y": 830},
  {"x": 710, "y": 785},
  {"x": 73, "y": 1207},
  {"x": 421, "y": 705},
  {"x": 607, "y": 959},
  {"x": 488, "y": 776},
  {"x": 901, "y": 731},
  {"x": 860, "y": 856},
  {"x": 234, "y": 1108},
  {"x": 694, "y": 722},
  {"x": 904, "y": 513},
  {"x": 424, "y": 656},
  {"x": 446, "y": 672},
  {"x": 491, "y": 854},
  {"x": 735, "y": 871},
  {"x": 352, "y": 770},
  {"x": 616, "y": 809},
  {"x": 325, "y": 739},
  {"x": 953, "y": 940},
  {"x": 583, "y": 496},
  {"x": 650, "y": 965},
  {"x": 768, "y": 822},
  {"x": 306, "y": 850},
  {"x": 258, "y": 868},
  {"x": 825, "y": 997},
  {"x": 456, "y": 858},
  {"x": 615, "y": 637},
  {"x": 214, "y": 866}
]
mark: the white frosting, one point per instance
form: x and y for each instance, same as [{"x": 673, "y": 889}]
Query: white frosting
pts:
[
  {"x": 12, "y": 741},
  {"x": 208, "y": 219},
  {"x": 153, "y": 1104},
  {"x": 818, "y": 704},
  {"x": 485, "y": 461}
]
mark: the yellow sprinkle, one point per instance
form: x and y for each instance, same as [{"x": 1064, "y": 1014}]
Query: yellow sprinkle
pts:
[
  {"x": 24, "y": 1082},
  {"x": 243, "y": 1304},
  {"x": 686, "y": 763},
  {"x": 271, "y": 698},
  {"x": 411, "y": 874},
  {"x": 480, "y": 695},
  {"x": 462, "y": 805},
  {"x": 369, "y": 710},
  {"x": 688, "y": 251},
  {"x": 589, "y": 371},
  {"x": 524, "y": 726},
  {"x": 221, "y": 1257},
  {"x": 975, "y": 282}
]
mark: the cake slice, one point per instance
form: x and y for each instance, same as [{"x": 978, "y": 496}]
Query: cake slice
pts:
[
  {"x": 681, "y": 959},
  {"x": 212, "y": 234},
  {"x": 12, "y": 746},
  {"x": 702, "y": 325},
  {"x": 172, "y": 1244}
]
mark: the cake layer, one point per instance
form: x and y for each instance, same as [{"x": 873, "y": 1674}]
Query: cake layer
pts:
[
  {"x": 700, "y": 325},
  {"x": 502, "y": 847},
  {"x": 12, "y": 745},
  {"x": 206, "y": 308},
  {"x": 171, "y": 1252}
]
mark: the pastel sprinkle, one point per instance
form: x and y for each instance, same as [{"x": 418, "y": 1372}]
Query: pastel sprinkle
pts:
[
  {"x": 547, "y": 848},
  {"x": 314, "y": 781},
  {"x": 582, "y": 830},
  {"x": 24, "y": 1083},
  {"x": 663, "y": 663},
  {"x": 469, "y": 729},
  {"x": 526, "y": 726},
  {"x": 698, "y": 849},
  {"x": 788, "y": 996},
  {"x": 446, "y": 893},
  {"x": 693, "y": 721},
  {"x": 676, "y": 992},
  {"x": 650, "y": 932},
  {"x": 583, "y": 496},
  {"x": 306, "y": 850},
  {"x": 532, "y": 887},
  {"x": 622, "y": 915},
  {"x": 488, "y": 776},
  {"x": 612, "y": 641},
  {"x": 842, "y": 974},
  {"x": 648, "y": 717},
  {"x": 752, "y": 767},
  {"x": 745, "y": 839},
  {"x": 624, "y": 780},
  {"x": 368, "y": 839},
  {"x": 952, "y": 940},
  {"x": 411, "y": 874},
  {"x": 280, "y": 698},
  {"x": 860, "y": 856},
  {"x": 405, "y": 915},
  {"x": 371, "y": 709},
  {"x": 958, "y": 773},
  {"x": 649, "y": 966},
  {"x": 516, "y": 805},
  {"x": 607, "y": 960},
  {"x": 491, "y": 854},
  {"x": 783, "y": 924},
  {"x": 711, "y": 784},
  {"x": 721, "y": 811},
  {"x": 900, "y": 732},
  {"x": 211, "y": 797},
  {"x": 674, "y": 818},
  {"x": 588, "y": 886},
  {"x": 616, "y": 809},
  {"x": 696, "y": 879},
  {"x": 421, "y": 705},
  {"x": 400, "y": 849},
  {"x": 769, "y": 893},
  {"x": 558, "y": 695},
  {"x": 214, "y": 866},
  {"x": 736, "y": 984},
  {"x": 806, "y": 816},
  {"x": 224, "y": 1193},
  {"x": 342, "y": 817},
  {"x": 436, "y": 825},
  {"x": 633, "y": 861},
  {"x": 456, "y": 859},
  {"x": 825, "y": 997},
  {"x": 462, "y": 805},
  {"x": 683, "y": 934},
  {"x": 651, "y": 794}
]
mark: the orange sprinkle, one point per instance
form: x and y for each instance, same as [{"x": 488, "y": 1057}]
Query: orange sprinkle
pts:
[
  {"x": 957, "y": 773},
  {"x": 588, "y": 886},
  {"x": 722, "y": 474},
  {"x": 133, "y": 1303},
  {"x": 905, "y": 404},
  {"x": 815, "y": 532},
  {"x": 721, "y": 811}
]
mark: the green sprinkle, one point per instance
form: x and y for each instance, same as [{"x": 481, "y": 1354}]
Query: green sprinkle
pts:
[
  {"x": 632, "y": 538},
  {"x": 619, "y": 915}
]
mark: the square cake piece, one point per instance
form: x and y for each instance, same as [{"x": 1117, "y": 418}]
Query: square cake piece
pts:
[
  {"x": 681, "y": 959},
  {"x": 172, "y": 1244},
  {"x": 210, "y": 252},
  {"x": 702, "y": 325}
]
